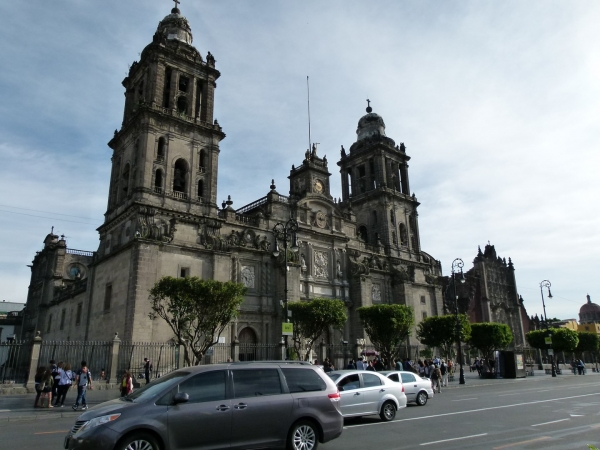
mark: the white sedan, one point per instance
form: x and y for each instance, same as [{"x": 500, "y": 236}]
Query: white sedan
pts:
[
  {"x": 416, "y": 388},
  {"x": 363, "y": 393}
]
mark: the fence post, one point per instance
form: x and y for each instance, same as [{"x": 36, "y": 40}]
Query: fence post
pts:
[
  {"x": 114, "y": 358},
  {"x": 235, "y": 350},
  {"x": 181, "y": 362},
  {"x": 35, "y": 360},
  {"x": 322, "y": 352},
  {"x": 282, "y": 350}
]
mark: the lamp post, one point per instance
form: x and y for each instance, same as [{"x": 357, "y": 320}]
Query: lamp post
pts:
[
  {"x": 457, "y": 265},
  {"x": 286, "y": 233},
  {"x": 547, "y": 284}
]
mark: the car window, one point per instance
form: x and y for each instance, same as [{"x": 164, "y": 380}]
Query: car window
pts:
[
  {"x": 303, "y": 380},
  {"x": 394, "y": 377},
  {"x": 205, "y": 387},
  {"x": 256, "y": 382},
  {"x": 408, "y": 378},
  {"x": 349, "y": 383},
  {"x": 157, "y": 387},
  {"x": 334, "y": 376},
  {"x": 371, "y": 380}
]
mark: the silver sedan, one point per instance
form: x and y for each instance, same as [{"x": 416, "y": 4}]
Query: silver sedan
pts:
[
  {"x": 417, "y": 389},
  {"x": 363, "y": 393}
]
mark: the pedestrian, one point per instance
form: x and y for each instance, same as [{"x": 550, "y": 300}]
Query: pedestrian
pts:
[
  {"x": 398, "y": 365},
  {"x": 360, "y": 364},
  {"x": 55, "y": 368},
  {"x": 378, "y": 365},
  {"x": 370, "y": 366},
  {"x": 147, "y": 369},
  {"x": 47, "y": 385},
  {"x": 444, "y": 373},
  {"x": 351, "y": 365},
  {"x": 64, "y": 384},
  {"x": 421, "y": 368},
  {"x": 316, "y": 362},
  {"x": 580, "y": 367},
  {"x": 478, "y": 366},
  {"x": 83, "y": 379},
  {"x": 39, "y": 375},
  {"x": 436, "y": 377},
  {"x": 126, "y": 384},
  {"x": 427, "y": 368}
]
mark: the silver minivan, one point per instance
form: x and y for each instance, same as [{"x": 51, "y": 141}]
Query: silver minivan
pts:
[{"x": 222, "y": 406}]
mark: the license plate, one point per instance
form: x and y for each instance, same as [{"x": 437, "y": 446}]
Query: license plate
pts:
[{"x": 67, "y": 441}]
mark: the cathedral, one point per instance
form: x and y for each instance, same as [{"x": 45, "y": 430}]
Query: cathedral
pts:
[{"x": 163, "y": 219}]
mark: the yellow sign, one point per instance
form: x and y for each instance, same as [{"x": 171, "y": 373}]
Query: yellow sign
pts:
[
  {"x": 287, "y": 329},
  {"x": 548, "y": 341}
]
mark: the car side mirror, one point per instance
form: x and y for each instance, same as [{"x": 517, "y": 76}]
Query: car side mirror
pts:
[{"x": 180, "y": 397}]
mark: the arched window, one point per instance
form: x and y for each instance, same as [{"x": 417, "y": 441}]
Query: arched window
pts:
[
  {"x": 200, "y": 188},
  {"x": 180, "y": 176},
  {"x": 202, "y": 163},
  {"x": 403, "y": 234},
  {"x": 392, "y": 219},
  {"x": 125, "y": 180},
  {"x": 182, "y": 105},
  {"x": 158, "y": 180},
  {"x": 363, "y": 234},
  {"x": 160, "y": 153},
  {"x": 374, "y": 217}
]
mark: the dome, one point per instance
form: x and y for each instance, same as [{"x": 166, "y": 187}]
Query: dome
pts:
[
  {"x": 175, "y": 27},
  {"x": 370, "y": 125},
  {"x": 589, "y": 307}
]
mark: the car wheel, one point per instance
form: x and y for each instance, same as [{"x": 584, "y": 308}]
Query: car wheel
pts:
[
  {"x": 421, "y": 398},
  {"x": 388, "y": 411},
  {"x": 303, "y": 436},
  {"x": 139, "y": 441}
]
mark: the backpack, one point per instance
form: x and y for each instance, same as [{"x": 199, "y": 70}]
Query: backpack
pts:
[{"x": 434, "y": 375}]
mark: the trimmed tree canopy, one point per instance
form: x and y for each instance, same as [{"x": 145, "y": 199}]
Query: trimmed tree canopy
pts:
[
  {"x": 312, "y": 318},
  {"x": 588, "y": 342},
  {"x": 489, "y": 337},
  {"x": 387, "y": 327},
  {"x": 563, "y": 339},
  {"x": 196, "y": 310},
  {"x": 440, "y": 331},
  {"x": 536, "y": 338}
]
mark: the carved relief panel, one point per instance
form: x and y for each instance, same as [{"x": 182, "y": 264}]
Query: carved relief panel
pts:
[
  {"x": 321, "y": 264},
  {"x": 376, "y": 294},
  {"x": 247, "y": 276}
]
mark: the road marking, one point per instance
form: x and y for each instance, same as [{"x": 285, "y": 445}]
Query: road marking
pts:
[
  {"x": 454, "y": 439},
  {"x": 4, "y": 410},
  {"x": 514, "y": 393},
  {"x": 576, "y": 415},
  {"x": 531, "y": 441},
  {"x": 548, "y": 423},
  {"x": 465, "y": 399},
  {"x": 52, "y": 432},
  {"x": 474, "y": 410},
  {"x": 543, "y": 390}
]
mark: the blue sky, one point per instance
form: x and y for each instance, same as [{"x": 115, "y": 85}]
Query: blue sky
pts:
[{"x": 497, "y": 102}]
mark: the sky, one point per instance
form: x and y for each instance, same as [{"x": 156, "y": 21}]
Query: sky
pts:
[{"x": 497, "y": 102}]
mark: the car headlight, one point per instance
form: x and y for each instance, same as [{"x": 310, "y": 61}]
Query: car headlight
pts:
[{"x": 98, "y": 421}]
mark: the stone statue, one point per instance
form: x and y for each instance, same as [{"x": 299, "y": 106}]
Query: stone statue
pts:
[
  {"x": 343, "y": 152},
  {"x": 339, "y": 269},
  {"x": 302, "y": 263},
  {"x": 307, "y": 155}
]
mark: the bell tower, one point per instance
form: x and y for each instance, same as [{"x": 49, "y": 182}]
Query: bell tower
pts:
[
  {"x": 166, "y": 153},
  {"x": 376, "y": 188}
]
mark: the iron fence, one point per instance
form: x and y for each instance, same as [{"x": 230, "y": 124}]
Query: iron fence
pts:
[
  {"x": 97, "y": 354},
  {"x": 259, "y": 352},
  {"x": 14, "y": 362},
  {"x": 163, "y": 356}
]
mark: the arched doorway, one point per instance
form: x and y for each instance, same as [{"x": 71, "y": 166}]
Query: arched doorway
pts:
[{"x": 248, "y": 344}]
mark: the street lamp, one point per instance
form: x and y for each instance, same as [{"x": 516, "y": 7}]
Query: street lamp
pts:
[
  {"x": 547, "y": 284},
  {"x": 457, "y": 265},
  {"x": 286, "y": 233}
]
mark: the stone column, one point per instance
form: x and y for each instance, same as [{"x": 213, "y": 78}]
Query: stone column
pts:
[
  {"x": 114, "y": 358},
  {"x": 322, "y": 352},
  {"x": 34, "y": 361},
  {"x": 235, "y": 350},
  {"x": 282, "y": 350},
  {"x": 181, "y": 362}
]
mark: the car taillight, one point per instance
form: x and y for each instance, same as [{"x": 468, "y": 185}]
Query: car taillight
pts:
[
  {"x": 402, "y": 387},
  {"x": 334, "y": 397}
]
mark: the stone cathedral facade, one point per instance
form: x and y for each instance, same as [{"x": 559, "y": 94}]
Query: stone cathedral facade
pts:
[{"x": 163, "y": 218}]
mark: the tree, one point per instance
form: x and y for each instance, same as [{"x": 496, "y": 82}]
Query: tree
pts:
[
  {"x": 312, "y": 318},
  {"x": 440, "y": 331},
  {"x": 564, "y": 339},
  {"x": 196, "y": 310},
  {"x": 536, "y": 339},
  {"x": 489, "y": 337},
  {"x": 387, "y": 326},
  {"x": 588, "y": 342}
]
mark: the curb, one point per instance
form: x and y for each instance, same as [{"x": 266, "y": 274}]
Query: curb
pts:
[{"x": 48, "y": 415}]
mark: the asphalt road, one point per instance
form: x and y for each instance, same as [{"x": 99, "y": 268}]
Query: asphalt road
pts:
[{"x": 534, "y": 413}]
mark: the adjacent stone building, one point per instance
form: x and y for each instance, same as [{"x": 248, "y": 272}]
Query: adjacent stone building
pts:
[{"x": 162, "y": 219}]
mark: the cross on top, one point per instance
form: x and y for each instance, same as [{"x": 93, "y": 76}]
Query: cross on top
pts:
[
  {"x": 177, "y": 2},
  {"x": 368, "y": 102}
]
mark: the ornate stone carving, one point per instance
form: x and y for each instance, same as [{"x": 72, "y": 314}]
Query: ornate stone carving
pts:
[
  {"x": 321, "y": 264},
  {"x": 247, "y": 275},
  {"x": 148, "y": 227},
  {"x": 376, "y": 294}
]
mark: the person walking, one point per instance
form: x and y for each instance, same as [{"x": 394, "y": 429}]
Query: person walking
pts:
[
  {"x": 56, "y": 376},
  {"x": 370, "y": 366},
  {"x": 436, "y": 377},
  {"x": 444, "y": 373},
  {"x": 64, "y": 384},
  {"x": 39, "y": 375},
  {"x": 351, "y": 365},
  {"x": 126, "y": 384},
  {"x": 580, "y": 367},
  {"x": 47, "y": 385},
  {"x": 83, "y": 379},
  {"x": 360, "y": 364},
  {"x": 147, "y": 369}
]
